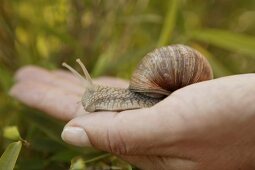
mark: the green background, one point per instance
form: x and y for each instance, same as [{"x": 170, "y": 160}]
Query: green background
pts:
[{"x": 110, "y": 37}]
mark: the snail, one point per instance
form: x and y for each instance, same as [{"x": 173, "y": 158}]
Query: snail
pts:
[{"x": 160, "y": 72}]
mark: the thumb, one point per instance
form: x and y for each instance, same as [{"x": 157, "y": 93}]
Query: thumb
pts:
[{"x": 143, "y": 131}]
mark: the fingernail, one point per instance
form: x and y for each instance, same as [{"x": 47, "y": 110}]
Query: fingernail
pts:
[{"x": 75, "y": 136}]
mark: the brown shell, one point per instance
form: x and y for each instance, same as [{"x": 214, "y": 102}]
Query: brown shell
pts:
[{"x": 167, "y": 69}]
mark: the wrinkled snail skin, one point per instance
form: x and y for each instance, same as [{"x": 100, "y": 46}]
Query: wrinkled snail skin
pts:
[
  {"x": 159, "y": 73},
  {"x": 115, "y": 99}
]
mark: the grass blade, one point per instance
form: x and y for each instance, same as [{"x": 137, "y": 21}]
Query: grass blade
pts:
[
  {"x": 10, "y": 156},
  {"x": 228, "y": 40},
  {"x": 169, "y": 23}
]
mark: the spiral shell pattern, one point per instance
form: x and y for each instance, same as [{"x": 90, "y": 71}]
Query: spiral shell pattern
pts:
[{"x": 167, "y": 69}]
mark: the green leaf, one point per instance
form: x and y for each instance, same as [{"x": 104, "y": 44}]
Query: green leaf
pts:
[
  {"x": 77, "y": 164},
  {"x": 228, "y": 40},
  {"x": 169, "y": 23},
  {"x": 10, "y": 156},
  {"x": 11, "y": 132}
]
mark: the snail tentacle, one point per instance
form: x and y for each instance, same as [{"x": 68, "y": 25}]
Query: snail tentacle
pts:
[
  {"x": 85, "y": 71},
  {"x": 86, "y": 82}
]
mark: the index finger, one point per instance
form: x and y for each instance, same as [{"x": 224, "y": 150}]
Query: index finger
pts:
[{"x": 56, "y": 102}]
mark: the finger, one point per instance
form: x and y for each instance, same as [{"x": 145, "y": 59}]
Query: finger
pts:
[
  {"x": 160, "y": 163},
  {"x": 210, "y": 103},
  {"x": 128, "y": 132},
  {"x": 34, "y": 73},
  {"x": 31, "y": 72},
  {"x": 54, "y": 101},
  {"x": 67, "y": 75}
]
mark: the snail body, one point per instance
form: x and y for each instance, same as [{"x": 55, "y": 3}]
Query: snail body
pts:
[
  {"x": 115, "y": 99},
  {"x": 159, "y": 73}
]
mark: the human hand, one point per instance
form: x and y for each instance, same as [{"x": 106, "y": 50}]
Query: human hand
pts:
[
  {"x": 57, "y": 93},
  {"x": 205, "y": 126}
]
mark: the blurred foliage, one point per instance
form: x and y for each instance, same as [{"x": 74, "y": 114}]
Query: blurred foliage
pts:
[
  {"x": 106, "y": 34},
  {"x": 10, "y": 156}
]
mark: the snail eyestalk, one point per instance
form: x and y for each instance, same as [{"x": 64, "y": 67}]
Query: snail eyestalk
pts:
[
  {"x": 85, "y": 71},
  {"x": 87, "y": 83}
]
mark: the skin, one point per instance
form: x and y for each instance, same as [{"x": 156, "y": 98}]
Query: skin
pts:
[{"x": 204, "y": 126}]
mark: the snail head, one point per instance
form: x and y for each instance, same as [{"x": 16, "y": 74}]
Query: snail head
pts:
[{"x": 86, "y": 81}]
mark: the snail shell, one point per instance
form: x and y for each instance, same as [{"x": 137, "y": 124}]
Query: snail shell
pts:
[
  {"x": 167, "y": 69},
  {"x": 160, "y": 72}
]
